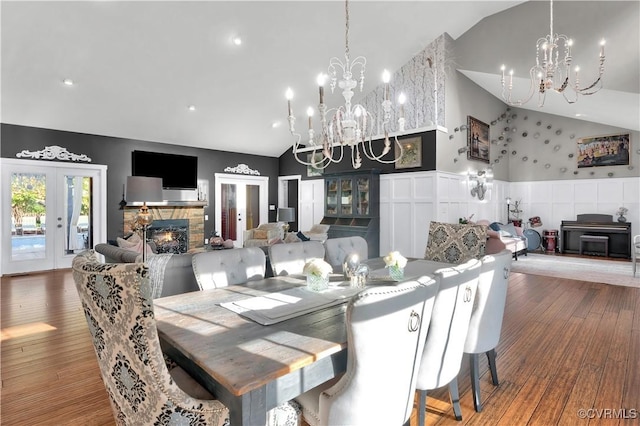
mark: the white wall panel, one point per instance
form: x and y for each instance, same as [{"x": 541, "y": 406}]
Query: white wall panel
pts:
[
  {"x": 561, "y": 192},
  {"x": 609, "y": 192}
]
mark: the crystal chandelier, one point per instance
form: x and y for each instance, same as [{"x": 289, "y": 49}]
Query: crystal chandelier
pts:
[
  {"x": 550, "y": 74},
  {"x": 347, "y": 125}
]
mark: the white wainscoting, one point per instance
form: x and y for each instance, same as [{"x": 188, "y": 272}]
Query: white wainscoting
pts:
[
  {"x": 311, "y": 203},
  {"x": 410, "y": 201}
]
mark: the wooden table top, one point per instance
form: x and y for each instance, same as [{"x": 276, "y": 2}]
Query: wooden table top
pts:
[
  {"x": 243, "y": 355},
  {"x": 238, "y": 353}
]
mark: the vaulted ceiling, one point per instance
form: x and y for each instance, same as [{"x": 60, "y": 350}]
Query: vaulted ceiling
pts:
[{"x": 137, "y": 66}]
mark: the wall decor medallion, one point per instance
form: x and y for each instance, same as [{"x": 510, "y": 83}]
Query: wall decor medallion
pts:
[
  {"x": 608, "y": 150},
  {"x": 411, "y": 153},
  {"x": 478, "y": 140},
  {"x": 53, "y": 152},
  {"x": 242, "y": 169}
]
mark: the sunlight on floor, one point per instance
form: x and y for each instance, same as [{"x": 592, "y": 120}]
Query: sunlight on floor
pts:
[{"x": 24, "y": 330}]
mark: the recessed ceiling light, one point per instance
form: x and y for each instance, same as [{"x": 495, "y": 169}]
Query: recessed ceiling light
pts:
[
  {"x": 579, "y": 115},
  {"x": 276, "y": 124},
  {"x": 191, "y": 107},
  {"x": 237, "y": 40},
  {"x": 67, "y": 82}
]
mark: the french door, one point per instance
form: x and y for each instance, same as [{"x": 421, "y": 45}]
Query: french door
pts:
[
  {"x": 50, "y": 212},
  {"x": 241, "y": 204}
]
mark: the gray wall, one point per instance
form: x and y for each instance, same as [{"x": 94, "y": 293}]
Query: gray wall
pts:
[{"x": 115, "y": 153}]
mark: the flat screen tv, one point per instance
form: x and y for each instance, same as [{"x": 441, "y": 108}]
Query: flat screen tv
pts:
[{"x": 176, "y": 171}]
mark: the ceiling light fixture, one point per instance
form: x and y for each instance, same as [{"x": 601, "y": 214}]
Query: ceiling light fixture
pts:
[
  {"x": 550, "y": 74},
  {"x": 347, "y": 125},
  {"x": 67, "y": 82}
]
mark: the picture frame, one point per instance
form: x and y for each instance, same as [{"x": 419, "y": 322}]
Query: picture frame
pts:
[
  {"x": 478, "y": 141},
  {"x": 313, "y": 171},
  {"x": 607, "y": 150},
  {"x": 411, "y": 153}
]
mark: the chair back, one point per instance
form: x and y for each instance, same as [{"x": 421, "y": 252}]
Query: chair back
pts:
[
  {"x": 455, "y": 243},
  {"x": 449, "y": 324},
  {"x": 116, "y": 299},
  {"x": 288, "y": 259},
  {"x": 336, "y": 249},
  {"x": 221, "y": 268},
  {"x": 486, "y": 319},
  {"x": 386, "y": 329}
]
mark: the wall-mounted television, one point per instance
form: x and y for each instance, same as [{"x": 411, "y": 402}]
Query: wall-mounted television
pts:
[{"x": 176, "y": 171}]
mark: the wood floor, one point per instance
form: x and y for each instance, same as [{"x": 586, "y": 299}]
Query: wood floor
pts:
[{"x": 566, "y": 346}]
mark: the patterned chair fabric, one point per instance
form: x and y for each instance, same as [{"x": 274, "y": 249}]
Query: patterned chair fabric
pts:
[
  {"x": 288, "y": 259},
  {"x": 455, "y": 243},
  {"x": 117, "y": 303}
]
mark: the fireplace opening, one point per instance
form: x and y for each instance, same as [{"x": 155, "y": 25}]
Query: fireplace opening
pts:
[{"x": 170, "y": 235}]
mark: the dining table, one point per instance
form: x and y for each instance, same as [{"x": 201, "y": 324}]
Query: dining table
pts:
[{"x": 259, "y": 344}]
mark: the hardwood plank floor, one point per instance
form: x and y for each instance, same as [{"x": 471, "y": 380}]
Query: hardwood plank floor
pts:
[{"x": 566, "y": 345}]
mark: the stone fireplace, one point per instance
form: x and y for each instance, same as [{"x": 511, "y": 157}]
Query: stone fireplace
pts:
[{"x": 178, "y": 225}]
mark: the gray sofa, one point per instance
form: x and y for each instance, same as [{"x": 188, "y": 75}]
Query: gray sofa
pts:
[{"x": 178, "y": 274}]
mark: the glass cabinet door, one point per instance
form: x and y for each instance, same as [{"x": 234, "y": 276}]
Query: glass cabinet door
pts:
[
  {"x": 331, "y": 197},
  {"x": 346, "y": 197},
  {"x": 362, "y": 196}
]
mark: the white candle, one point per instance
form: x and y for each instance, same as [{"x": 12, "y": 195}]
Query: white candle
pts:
[
  {"x": 289, "y": 95},
  {"x": 310, "y": 114},
  {"x": 321, "y": 81}
]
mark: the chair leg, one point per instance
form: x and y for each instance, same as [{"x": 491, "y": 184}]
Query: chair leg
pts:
[
  {"x": 491, "y": 357},
  {"x": 455, "y": 398},
  {"x": 422, "y": 406},
  {"x": 475, "y": 381}
]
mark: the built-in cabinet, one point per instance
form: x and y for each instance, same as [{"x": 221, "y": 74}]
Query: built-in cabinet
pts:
[{"x": 352, "y": 207}]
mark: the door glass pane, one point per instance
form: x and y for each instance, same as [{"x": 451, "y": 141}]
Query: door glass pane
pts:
[
  {"x": 253, "y": 206},
  {"x": 77, "y": 214},
  {"x": 229, "y": 211},
  {"x": 28, "y": 195}
]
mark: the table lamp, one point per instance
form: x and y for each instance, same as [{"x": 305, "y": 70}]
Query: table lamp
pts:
[
  {"x": 144, "y": 189},
  {"x": 286, "y": 215}
]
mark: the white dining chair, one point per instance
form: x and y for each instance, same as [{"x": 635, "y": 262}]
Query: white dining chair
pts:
[
  {"x": 221, "y": 268},
  {"x": 443, "y": 349},
  {"x": 635, "y": 252},
  {"x": 485, "y": 324},
  {"x": 386, "y": 329},
  {"x": 336, "y": 249},
  {"x": 289, "y": 259}
]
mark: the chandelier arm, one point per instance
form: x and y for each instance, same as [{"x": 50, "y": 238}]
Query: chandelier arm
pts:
[{"x": 385, "y": 151}]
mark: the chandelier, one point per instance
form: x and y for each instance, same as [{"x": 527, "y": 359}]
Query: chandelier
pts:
[
  {"x": 550, "y": 74},
  {"x": 347, "y": 125}
]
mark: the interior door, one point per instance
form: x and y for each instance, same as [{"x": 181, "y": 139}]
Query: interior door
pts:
[
  {"x": 241, "y": 204},
  {"x": 50, "y": 213}
]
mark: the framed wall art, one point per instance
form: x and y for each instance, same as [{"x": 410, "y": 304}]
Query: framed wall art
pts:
[
  {"x": 478, "y": 143},
  {"x": 314, "y": 171},
  {"x": 411, "y": 153},
  {"x": 608, "y": 150}
]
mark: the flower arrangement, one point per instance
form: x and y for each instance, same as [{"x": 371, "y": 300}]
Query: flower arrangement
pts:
[
  {"x": 317, "y": 267},
  {"x": 394, "y": 258},
  {"x": 622, "y": 211}
]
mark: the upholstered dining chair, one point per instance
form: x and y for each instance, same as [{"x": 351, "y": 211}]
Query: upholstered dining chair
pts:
[
  {"x": 443, "y": 349},
  {"x": 289, "y": 259},
  {"x": 336, "y": 249},
  {"x": 386, "y": 328},
  {"x": 221, "y": 268},
  {"x": 635, "y": 252},
  {"x": 485, "y": 324},
  {"x": 117, "y": 303}
]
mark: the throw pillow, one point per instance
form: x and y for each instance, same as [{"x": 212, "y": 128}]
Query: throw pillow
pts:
[
  {"x": 275, "y": 240},
  {"x": 134, "y": 243},
  {"x": 495, "y": 226},
  {"x": 260, "y": 234},
  {"x": 291, "y": 238},
  {"x": 455, "y": 243},
  {"x": 302, "y": 236},
  {"x": 510, "y": 229}
]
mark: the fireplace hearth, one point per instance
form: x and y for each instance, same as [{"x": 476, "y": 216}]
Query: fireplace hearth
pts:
[{"x": 170, "y": 235}]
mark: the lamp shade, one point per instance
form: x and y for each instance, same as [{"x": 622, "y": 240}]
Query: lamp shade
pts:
[
  {"x": 143, "y": 189},
  {"x": 286, "y": 214}
]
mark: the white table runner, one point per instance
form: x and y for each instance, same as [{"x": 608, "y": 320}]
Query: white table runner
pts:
[{"x": 276, "y": 307}]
